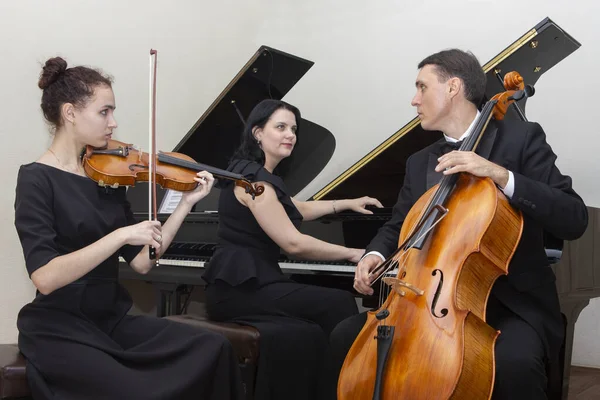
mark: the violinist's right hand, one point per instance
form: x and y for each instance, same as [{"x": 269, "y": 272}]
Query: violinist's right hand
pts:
[
  {"x": 362, "y": 277},
  {"x": 146, "y": 233}
]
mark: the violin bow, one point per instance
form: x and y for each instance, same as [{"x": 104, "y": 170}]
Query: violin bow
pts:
[{"x": 152, "y": 214}]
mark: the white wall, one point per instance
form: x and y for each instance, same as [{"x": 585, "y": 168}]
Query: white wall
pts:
[
  {"x": 586, "y": 348},
  {"x": 365, "y": 55}
]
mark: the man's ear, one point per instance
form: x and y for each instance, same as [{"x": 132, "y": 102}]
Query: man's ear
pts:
[{"x": 454, "y": 86}]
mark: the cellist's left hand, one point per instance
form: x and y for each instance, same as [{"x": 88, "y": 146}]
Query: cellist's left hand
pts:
[
  {"x": 205, "y": 183},
  {"x": 468, "y": 161}
]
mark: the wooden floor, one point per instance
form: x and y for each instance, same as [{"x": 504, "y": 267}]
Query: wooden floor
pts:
[{"x": 584, "y": 384}]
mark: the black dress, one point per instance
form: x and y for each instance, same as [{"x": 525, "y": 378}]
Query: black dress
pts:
[
  {"x": 78, "y": 341},
  {"x": 245, "y": 284}
]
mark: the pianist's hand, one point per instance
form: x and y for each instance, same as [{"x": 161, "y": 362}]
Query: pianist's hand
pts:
[
  {"x": 205, "y": 183},
  {"x": 359, "y": 204},
  {"x": 362, "y": 277}
]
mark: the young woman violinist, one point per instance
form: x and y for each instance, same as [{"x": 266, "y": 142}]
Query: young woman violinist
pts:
[
  {"x": 245, "y": 282},
  {"x": 76, "y": 336}
]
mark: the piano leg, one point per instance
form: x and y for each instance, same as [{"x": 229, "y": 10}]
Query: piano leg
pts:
[
  {"x": 571, "y": 307},
  {"x": 168, "y": 298}
]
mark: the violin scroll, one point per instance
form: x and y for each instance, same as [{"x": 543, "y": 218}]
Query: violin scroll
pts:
[{"x": 250, "y": 189}]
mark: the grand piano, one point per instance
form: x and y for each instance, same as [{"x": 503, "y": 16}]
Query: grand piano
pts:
[{"x": 271, "y": 73}]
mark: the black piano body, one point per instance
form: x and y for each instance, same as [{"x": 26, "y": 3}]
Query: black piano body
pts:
[{"x": 271, "y": 74}]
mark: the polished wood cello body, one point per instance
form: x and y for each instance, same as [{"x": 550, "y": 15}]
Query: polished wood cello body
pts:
[{"x": 429, "y": 338}]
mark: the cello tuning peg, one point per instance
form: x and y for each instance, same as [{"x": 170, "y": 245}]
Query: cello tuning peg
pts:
[{"x": 529, "y": 90}]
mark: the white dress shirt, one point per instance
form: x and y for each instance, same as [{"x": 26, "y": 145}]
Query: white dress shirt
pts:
[{"x": 508, "y": 189}]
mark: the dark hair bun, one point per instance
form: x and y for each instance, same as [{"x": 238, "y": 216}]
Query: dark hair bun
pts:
[{"x": 53, "y": 69}]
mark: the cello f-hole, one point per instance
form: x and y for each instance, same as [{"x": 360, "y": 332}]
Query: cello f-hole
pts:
[{"x": 443, "y": 311}]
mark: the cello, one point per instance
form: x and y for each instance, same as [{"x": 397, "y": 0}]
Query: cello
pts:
[{"x": 429, "y": 338}]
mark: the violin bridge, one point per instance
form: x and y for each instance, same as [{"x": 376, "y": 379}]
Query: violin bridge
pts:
[{"x": 398, "y": 284}]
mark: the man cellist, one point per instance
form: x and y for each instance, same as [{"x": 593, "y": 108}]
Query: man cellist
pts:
[{"x": 524, "y": 304}]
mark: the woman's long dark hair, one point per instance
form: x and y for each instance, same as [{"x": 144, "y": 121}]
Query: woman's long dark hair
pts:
[{"x": 260, "y": 114}]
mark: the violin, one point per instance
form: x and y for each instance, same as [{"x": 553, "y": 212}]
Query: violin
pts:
[
  {"x": 121, "y": 164},
  {"x": 429, "y": 338}
]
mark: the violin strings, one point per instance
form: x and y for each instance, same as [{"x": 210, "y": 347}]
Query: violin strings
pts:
[{"x": 218, "y": 173}]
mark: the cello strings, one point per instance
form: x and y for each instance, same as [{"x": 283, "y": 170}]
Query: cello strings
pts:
[
  {"x": 443, "y": 190},
  {"x": 390, "y": 260},
  {"x": 440, "y": 193},
  {"x": 384, "y": 289}
]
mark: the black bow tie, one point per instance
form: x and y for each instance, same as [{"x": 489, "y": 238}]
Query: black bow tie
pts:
[{"x": 447, "y": 146}]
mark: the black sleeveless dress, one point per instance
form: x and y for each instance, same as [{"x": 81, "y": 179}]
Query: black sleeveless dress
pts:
[
  {"x": 246, "y": 285},
  {"x": 78, "y": 341}
]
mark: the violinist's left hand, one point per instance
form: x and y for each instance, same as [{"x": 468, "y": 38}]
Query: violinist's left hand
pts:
[
  {"x": 359, "y": 204},
  {"x": 205, "y": 183},
  {"x": 468, "y": 161}
]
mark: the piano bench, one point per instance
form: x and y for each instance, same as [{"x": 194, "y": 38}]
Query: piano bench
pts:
[
  {"x": 13, "y": 381},
  {"x": 244, "y": 339}
]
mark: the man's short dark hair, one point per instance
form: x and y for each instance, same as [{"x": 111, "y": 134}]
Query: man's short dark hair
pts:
[{"x": 460, "y": 64}]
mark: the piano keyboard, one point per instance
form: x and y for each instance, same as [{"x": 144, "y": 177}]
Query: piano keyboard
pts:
[{"x": 286, "y": 266}]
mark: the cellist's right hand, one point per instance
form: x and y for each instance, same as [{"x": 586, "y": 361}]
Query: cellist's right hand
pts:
[{"x": 362, "y": 277}]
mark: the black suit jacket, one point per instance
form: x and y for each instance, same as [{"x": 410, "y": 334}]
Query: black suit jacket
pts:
[{"x": 546, "y": 199}]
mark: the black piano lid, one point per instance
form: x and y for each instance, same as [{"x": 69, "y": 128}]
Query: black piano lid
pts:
[
  {"x": 270, "y": 73},
  {"x": 533, "y": 54},
  {"x": 380, "y": 173}
]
